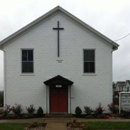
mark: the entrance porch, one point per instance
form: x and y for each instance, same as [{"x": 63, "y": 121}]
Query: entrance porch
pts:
[{"x": 58, "y": 95}]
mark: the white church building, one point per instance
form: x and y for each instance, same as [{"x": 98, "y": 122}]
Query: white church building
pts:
[{"x": 58, "y": 62}]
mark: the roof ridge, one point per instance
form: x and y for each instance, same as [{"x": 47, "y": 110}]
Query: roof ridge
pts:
[{"x": 49, "y": 13}]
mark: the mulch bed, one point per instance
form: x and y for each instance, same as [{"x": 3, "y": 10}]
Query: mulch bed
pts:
[{"x": 40, "y": 127}]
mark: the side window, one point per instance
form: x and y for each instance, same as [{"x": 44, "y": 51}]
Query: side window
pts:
[
  {"x": 89, "y": 61},
  {"x": 27, "y": 61}
]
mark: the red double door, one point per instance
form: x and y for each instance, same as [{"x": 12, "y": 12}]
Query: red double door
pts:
[{"x": 58, "y": 100}]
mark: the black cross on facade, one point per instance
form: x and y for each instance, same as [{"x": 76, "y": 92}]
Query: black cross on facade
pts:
[{"x": 58, "y": 41}]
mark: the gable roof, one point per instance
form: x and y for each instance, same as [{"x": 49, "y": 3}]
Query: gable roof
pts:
[
  {"x": 58, "y": 80},
  {"x": 57, "y": 9},
  {"x": 128, "y": 81},
  {"x": 120, "y": 83}
]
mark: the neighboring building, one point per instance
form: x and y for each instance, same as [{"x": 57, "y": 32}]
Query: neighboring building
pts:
[
  {"x": 58, "y": 62},
  {"x": 120, "y": 86},
  {"x": 127, "y": 86},
  {"x": 114, "y": 87}
]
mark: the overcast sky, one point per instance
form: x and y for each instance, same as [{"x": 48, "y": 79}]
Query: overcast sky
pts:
[{"x": 110, "y": 17}]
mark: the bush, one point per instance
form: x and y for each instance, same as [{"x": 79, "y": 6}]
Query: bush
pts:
[
  {"x": 99, "y": 110},
  {"x": 30, "y": 109},
  {"x": 103, "y": 116},
  {"x": 33, "y": 125},
  {"x": 78, "y": 112},
  {"x": 113, "y": 108},
  {"x": 78, "y": 125},
  {"x": 12, "y": 116},
  {"x": 16, "y": 109},
  {"x": 40, "y": 112},
  {"x": 88, "y": 110}
]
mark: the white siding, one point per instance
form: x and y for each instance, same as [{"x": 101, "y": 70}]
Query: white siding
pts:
[{"x": 87, "y": 89}]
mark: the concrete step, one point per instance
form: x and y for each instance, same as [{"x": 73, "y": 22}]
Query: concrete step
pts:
[{"x": 59, "y": 115}]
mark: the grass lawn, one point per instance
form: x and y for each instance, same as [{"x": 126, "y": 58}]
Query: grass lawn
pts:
[
  {"x": 12, "y": 126},
  {"x": 95, "y": 125},
  {"x": 109, "y": 125}
]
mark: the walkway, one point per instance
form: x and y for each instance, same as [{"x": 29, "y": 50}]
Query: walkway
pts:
[{"x": 56, "y": 123}]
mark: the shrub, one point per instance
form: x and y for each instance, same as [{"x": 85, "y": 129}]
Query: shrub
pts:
[
  {"x": 88, "y": 110},
  {"x": 113, "y": 108},
  {"x": 30, "y": 109},
  {"x": 7, "y": 110},
  {"x": 40, "y": 112},
  {"x": 16, "y": 109},
  {"x": 78, "y": 112},
  {"x": 99, "y": 110},
  {"x": 12, "y": 116},
  {"x": 78, "y": 125},
  {"x": 33, "y": 125},
  {"x": 103, "y": 116}
]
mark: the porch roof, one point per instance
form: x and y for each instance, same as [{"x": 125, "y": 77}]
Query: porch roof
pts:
[{"x": 58, "y": 80}]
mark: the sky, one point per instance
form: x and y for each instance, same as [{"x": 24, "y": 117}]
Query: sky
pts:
[{"x": 110, "y": 17}]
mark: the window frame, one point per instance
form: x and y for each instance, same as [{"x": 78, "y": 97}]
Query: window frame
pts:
[
  {"x": 25, "y": 61},
  {"x": 91, "y": 73}
]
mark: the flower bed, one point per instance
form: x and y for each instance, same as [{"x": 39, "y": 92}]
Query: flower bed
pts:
[
  {"x": 78, "y": 125},
  {"x": 15, "y": 112},
  {"x": 36, "y": 126}
]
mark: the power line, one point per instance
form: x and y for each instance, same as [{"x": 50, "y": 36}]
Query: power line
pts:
[{"x": 123, "y": 37}]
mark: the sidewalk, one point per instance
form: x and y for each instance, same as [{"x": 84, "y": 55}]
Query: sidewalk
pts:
[
  {"x": 39, "y": 120},
  {"x": 60, "y": 120}
]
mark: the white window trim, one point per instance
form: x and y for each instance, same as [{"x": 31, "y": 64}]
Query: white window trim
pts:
[
  {"x": 89, "y": 74},
  {"x": 85, "y": 73},
  {"x": 31, "y": 73},
  {"x": 27, "y": 74}
]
